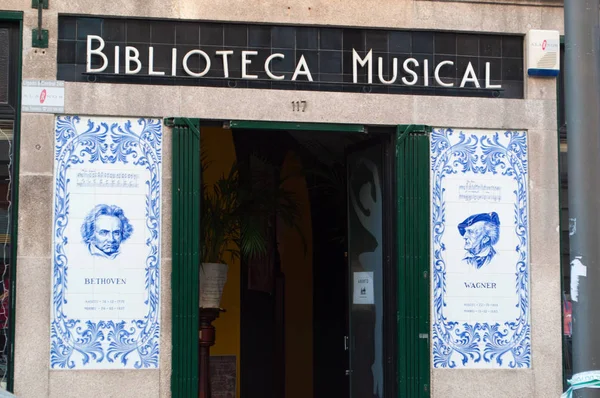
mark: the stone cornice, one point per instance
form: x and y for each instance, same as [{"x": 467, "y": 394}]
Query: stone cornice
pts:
[{"x": 538, "y": 3}]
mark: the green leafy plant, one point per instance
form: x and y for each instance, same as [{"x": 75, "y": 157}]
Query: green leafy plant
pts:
[{"x": 238, "y": 207}]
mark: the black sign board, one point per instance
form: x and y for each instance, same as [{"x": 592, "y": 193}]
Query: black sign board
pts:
[
  {"x": 223, "y": 371},
  {"x": 118, "y": 50}
]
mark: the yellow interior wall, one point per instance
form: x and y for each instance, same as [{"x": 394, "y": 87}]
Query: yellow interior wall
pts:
[
  {"x": 298, "y": 269},
  {"x": 217, "y": 145}
]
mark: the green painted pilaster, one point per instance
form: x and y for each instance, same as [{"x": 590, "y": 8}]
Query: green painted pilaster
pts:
[
  {"x": 186, "y": 255},
  {"x": 413, "y": 243}
]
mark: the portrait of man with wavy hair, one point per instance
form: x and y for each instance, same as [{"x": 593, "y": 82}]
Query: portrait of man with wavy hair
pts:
[{"x": 104, "y": 229}]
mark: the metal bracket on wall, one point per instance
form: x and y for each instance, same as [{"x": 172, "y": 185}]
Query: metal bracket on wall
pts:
[
  {"x": 34, "y": 4},
  {"x": 39, "y": 36}
]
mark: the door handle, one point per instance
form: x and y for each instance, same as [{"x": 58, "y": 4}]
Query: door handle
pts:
[{"x": 345, "y": 343}]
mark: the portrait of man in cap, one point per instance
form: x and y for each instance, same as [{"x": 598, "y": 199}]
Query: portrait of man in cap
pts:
[{"x": 480, "y": 232}]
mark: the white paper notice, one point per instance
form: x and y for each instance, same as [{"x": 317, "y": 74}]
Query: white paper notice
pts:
[{"x": 363, "y": 288}]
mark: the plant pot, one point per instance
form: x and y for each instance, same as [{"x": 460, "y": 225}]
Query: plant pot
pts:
[{"x": 212, "y": 280}]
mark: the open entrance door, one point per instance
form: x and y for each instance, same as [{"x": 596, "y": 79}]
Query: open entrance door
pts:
[
  {"x": 186, "y": 215},
  {"x": 412, "y": 260},
  {"x": 388, "y": 256},
  {"x": 368, "y": 233}
]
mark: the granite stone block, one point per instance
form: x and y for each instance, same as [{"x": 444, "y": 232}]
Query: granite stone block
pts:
[
  {"x": 32, "y": 339},
  {"x": 35, "y": 216},
  {"x": 37, "y": 144}
]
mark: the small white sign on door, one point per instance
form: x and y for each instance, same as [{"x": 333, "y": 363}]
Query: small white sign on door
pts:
[{"x": 363, "y": 288}]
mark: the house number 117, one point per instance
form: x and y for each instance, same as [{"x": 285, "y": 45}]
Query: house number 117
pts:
[{"x": 298, "y": 106}]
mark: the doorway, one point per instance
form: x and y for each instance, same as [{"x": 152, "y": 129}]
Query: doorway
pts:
[
  {"x": 317, "y": 316},
  {"x": 311, "y": 315}
]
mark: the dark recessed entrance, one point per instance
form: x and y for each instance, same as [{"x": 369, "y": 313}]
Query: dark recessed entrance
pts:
[
  {"x": 299, "y": 327},
  {"x": 330, "y": 307}
]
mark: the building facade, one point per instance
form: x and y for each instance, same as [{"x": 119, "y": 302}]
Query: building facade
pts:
[{"x": 451, "y": 280}]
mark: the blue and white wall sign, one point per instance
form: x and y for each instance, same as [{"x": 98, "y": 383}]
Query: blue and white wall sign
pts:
[
  {"x": 480, "y": 256},
  {"x": 543, "y": 52},
  {"x": 106, "y": 238}
]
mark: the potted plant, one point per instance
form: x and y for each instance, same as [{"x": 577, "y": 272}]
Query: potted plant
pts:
[{"x": 234, "y": 210}]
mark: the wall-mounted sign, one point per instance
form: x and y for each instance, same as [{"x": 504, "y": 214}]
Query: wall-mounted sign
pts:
[
  {"x": 430, "y": 75},
  {"x": 43, "y": 96},
  {"x": 107, "y": 226},
  {"x": 363, "y": 291},
  {"x": 480, "y": 256},
  {"x": 223, "y": 376},
  {"x": 289, "y": 57},
  {"x": 543, "y": 52}
]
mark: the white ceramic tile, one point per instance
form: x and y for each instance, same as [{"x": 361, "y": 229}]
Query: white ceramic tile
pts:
[
  {"x": 480, "y": 256},
  {"x": 101, "y": 284}
]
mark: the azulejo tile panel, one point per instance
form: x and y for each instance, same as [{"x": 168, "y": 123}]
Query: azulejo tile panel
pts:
[
  {"x": 480, "y": 256},
  {"x": 106, "y": 239}
]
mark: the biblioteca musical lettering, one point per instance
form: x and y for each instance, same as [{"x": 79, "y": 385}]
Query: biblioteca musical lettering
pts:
[{"x": 374, "y": 67}]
